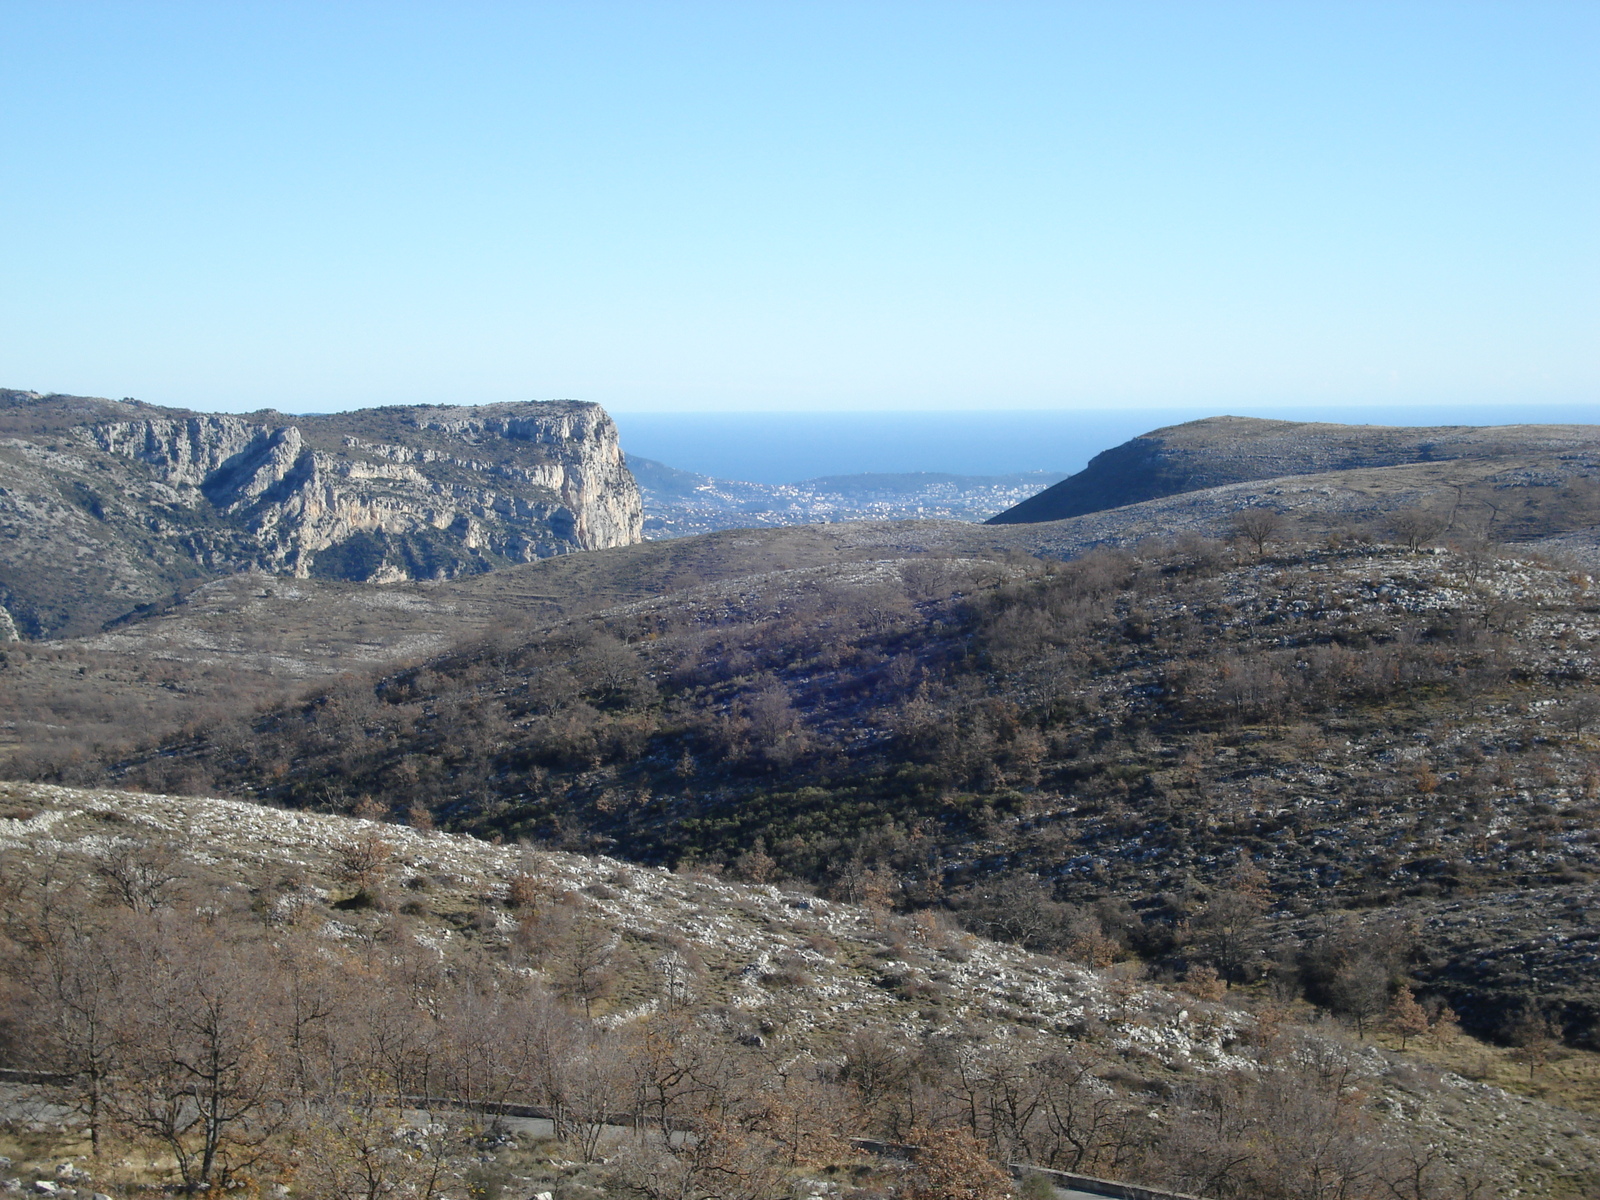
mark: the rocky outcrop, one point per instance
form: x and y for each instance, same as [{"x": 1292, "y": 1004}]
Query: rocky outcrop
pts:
[
  {"x": 145, "y": 498},
  {"x": 1226, "y": 450},
  {"x": 187, "y": 451}
]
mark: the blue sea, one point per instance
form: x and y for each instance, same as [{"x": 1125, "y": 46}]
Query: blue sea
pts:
[{"x": 788, "y": 447}]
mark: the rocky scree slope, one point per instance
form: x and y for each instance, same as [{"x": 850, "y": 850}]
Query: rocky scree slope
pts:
[
  {"x": 107, "y": 505},
  {"x": 865, "y": 1001},
  {"x": 1218, "y": 451}
]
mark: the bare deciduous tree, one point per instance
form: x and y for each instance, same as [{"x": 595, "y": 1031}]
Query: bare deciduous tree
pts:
[
  {"x": 1258, "y": 526},
  {"x": 583, "y": 967},
  {"x": 141, "y": 874},
  {"x": 1360, "y": 991},
  {"x": 1415, "y": 527},
  {"x": 364, "y": 863},
  {"x": 83, "y": 972},
  {"x": 202, "y": 1078},
  {"x": 1580, "y": 712}
]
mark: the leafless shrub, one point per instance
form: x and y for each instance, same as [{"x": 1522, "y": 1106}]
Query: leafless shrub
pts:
[
  {"x": 364, "y": 861},
  {"x": 1258, "y": 526},
  {"x": 1577, "y": 713},
  {"x": 140, "y": 874},
  {"x": 1415, "y": 527}
]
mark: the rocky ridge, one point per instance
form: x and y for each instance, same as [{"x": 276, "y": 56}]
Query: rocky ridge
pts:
[
  {"x": 107, "y": 505},
  {"x": 1219, "y": 451}
]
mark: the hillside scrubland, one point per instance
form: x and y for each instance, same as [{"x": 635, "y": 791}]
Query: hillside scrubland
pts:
[
  {"x": 1178, "y": 755},
  {"x": 228, "y": 995}
]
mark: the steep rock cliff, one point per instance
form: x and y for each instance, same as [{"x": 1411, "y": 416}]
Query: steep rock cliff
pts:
[{"x": 107, "y": 505}]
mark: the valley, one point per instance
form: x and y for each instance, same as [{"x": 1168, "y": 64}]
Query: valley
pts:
[{"x": 1267, "y": 732}]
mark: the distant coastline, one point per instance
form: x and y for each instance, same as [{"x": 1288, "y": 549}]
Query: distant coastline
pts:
[{"x": 788, "y": 447}]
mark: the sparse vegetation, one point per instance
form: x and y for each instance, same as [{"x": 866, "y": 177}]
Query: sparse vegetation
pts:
[{"x": 318, "y": 1031}]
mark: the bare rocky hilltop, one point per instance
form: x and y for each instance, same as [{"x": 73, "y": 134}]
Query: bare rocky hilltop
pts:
[
  {"x": 1221, "y": 451},
  {"x": 108, "y": 505}
]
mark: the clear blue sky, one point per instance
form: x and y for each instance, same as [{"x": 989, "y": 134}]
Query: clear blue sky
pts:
[{"x": 790, "y": 206}]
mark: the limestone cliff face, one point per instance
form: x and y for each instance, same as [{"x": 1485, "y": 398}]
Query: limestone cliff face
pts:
[
  {"x": 554, "y": 481},
  {"x": 188, "y": 451},
  {"x": 144, "y": 497}
]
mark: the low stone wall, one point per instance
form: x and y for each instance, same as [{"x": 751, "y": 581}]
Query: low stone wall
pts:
[
  {"x": 1065, "y": 1179},
  {"x": 1097, "y": 1187}
]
